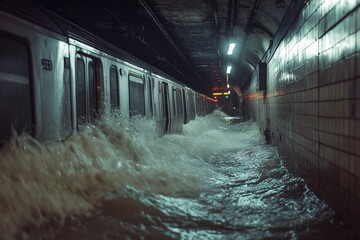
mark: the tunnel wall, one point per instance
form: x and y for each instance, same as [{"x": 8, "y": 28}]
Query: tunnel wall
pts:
[{"x": 311, "y": 106}]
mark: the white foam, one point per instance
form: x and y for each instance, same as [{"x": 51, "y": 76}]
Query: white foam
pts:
[{"x": 52, "y": 181}]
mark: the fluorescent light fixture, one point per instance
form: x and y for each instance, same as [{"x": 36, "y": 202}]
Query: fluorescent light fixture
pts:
[
  {"x": 231, "y": 48},
  {"x": 228, "y": 70}
]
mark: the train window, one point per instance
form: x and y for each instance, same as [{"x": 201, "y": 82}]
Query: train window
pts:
[
  {"x": 164, "y": 125},
  {"x": 92, "y": 90},
  {"x": 15, "y": 88},
  {"x": 80, "y": 92},
  {"x": 198, "y": 106},
  {"x": 136, "y": 95},
  {"x": 192, "y": 105},
  {"x": 114, "y": 88},
  {"x": 174, "y": 101},
  {"x": 150, "y": 97},
  {"x": 179, "y": 103}
]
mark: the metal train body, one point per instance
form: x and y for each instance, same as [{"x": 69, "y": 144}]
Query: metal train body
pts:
[{"x": 55, "y": 77}]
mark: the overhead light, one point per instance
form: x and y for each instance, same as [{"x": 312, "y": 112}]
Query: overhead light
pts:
[
  {"x": 231, "y": 48},
  {"x": 228, "y": 69}
]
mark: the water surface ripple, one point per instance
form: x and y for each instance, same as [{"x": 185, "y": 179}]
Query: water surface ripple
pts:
[{"x": 119, "y": 181}]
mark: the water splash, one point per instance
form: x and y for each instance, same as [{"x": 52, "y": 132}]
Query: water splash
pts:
[
  {"x": 117, "y": 179},
  {"x": 52, "y": 181}
]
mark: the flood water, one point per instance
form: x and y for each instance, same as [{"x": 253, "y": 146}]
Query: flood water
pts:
[{"x": 118, "y": 180}]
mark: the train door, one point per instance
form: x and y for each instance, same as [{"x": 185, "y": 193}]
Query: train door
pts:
[
  {"x": 15, "y": 88},
  {"x": 149, "y": 101},
  {"x": 88, "y": 95},
  {"x": 136, "y": 95},
  {"x": 178, "y": 110},
  {"x": 185, "y": 97},
  {"x": 164, "y": 99},
  {"x": 93, "y": 94},
  {"x": 114, "y": 88}
]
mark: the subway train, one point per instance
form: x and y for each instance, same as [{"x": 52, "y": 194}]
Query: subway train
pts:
[{"x": 55, "y": 78}]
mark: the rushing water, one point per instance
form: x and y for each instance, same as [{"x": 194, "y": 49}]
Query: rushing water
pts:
[{"x": 118, "y": 180}]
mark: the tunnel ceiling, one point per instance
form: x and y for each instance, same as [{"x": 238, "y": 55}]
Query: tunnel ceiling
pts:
[{"x": 188, "y": 39}]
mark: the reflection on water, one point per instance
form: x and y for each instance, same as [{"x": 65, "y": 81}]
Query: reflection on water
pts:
[{"x": 218, "y": 180}]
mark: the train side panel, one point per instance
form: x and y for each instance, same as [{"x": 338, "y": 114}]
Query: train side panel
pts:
[{"x": 47, "y": 79}]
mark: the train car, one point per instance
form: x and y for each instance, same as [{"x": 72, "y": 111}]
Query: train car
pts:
[{"x": 56, "y": 77}]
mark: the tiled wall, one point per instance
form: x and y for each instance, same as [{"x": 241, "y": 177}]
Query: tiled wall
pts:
[{"x": 312, "y": 103}]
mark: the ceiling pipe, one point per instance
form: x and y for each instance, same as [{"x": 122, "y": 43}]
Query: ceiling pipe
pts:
[
  {"x": 134, "y": 34},
  {"x": 231, "y": 18},
  {"x": 216, "y": 66},
  {"x": 166, "y": 34},
  {"x": 261, "y": 27},
  {"x": 217, "y": 27},
  {"x": 248, "y": 28}
]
